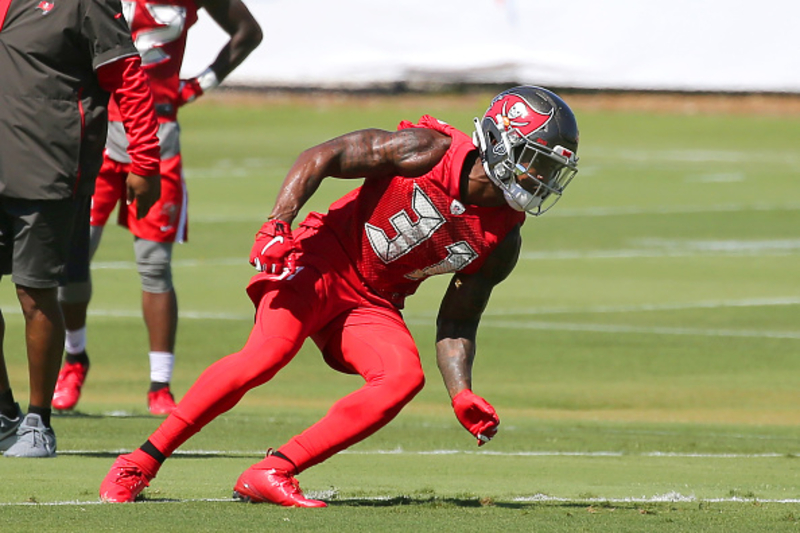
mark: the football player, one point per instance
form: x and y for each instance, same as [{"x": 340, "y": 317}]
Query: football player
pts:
[
  {"x": 433, "y": 201},
  {"x": 159, "y": 29},
  {"x": 60, "y": 61}
]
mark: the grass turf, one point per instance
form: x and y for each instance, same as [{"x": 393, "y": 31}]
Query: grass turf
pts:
[{"x": 642, "y": 356}]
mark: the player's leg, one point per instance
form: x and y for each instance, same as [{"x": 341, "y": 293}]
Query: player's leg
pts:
[
  {"x": 160, "y": 312},
  {"x": 43, "y": 230},
  {"x": 10, "y": 414},
  {"x": 73, "y": 295},
  {"x": 374, "y": 343},
  {"x": 165, "y": 224},
  {"x": 283, "y": 320}
]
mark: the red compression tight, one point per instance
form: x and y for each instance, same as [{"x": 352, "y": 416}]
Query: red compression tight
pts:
[{"x": 370, "y": 341}]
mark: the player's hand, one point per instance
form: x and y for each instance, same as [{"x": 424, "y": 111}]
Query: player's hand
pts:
[
  {"x": 476, "y": 415},
  {"x": 273, "y": 251},
  {"x": 188, "y": 91},
  {"x": 144, "y": 190}
]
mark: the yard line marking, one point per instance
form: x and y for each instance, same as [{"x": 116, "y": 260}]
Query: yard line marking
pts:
[
  {"x": 657, "y": 247},
  {"x": 612, "y": 328},
  {"x": 662, "y": 498},
  {"x": 421, "y": 320},
  {"x": 571, "y": 212},
  {"x": 400, "y": 451},
  {"x": 707, "y": 304},
  {"x": 670, "y": 210},
  {"x": 650, "y": 248},
  {"x": 643, "y": 248},
  {"x": 331, "y": 496},
  {"x": 693, "y": 156},
  {"x": 641, "y": 253}
]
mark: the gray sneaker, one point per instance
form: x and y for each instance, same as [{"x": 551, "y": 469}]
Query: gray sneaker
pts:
[
  {"x": 33, "y": 439},
  {"x": 8, "y": 429}
]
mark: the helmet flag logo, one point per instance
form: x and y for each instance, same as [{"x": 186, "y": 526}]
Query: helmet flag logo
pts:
[{"x": 513, "y": 112}]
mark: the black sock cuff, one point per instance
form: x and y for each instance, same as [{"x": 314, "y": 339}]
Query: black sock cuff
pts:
[
  {"x": 279, "y": 455},
  {"x": 153, "y": 452}
]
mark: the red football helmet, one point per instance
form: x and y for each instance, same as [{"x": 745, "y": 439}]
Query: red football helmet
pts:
[{"x": 528, "y": 142}]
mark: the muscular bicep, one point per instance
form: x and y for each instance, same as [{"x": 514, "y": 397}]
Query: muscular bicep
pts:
[
  {"x": 467, "y": 295},
  {"x": 374, "y": 153}
]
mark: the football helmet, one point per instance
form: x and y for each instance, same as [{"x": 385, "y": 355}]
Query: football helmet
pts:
[{"x": 528, "y": 143}]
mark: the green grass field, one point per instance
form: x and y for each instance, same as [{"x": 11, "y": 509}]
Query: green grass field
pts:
[{"x": 644, "y": 357}]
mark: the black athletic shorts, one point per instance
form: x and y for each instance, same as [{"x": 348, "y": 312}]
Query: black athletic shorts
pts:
[{"x": 37, "y": 236}]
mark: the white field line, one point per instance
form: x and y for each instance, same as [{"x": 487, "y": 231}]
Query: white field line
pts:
[
  {"x": 424, "y": 319},
  {"x": 671, "y": 497},
  {"x": 645, "y": 248},
  {"x": 718, "y": 249},
  {"x": 603, "y": 309},
  {"x": 657, "y": 454},
  {"x": 562, "y": 211},
  {"x": 669, "y": 210},
  {"x": 612, "y": 328}
]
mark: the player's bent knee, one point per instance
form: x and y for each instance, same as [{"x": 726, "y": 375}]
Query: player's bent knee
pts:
[
  {"x": 153, "y": 262},
  {"x": 404, "y": 385}
]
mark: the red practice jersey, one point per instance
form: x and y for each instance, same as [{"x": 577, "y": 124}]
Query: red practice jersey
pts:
[
  {"x": 159, "y": 29},
  {"x": 399, "y": 231}
]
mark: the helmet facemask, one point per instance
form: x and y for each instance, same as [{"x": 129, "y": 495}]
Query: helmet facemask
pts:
[{"x": 531, "y": 176}]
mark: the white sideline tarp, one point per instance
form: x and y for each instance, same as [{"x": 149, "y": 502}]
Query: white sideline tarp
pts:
[{"x": 683, "y": 45}]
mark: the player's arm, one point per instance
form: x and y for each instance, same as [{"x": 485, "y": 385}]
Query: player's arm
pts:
[
  {"x": 370, "y": 153},
  {"x": 456, "y": 330},
  {"x": 245, "y": 35},
  {"x": 129, "y": 87}
]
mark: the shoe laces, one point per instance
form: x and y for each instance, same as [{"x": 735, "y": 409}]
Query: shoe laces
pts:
[
  {"x": 31, "y": 434},
  {"x": 130, "y": 476}
]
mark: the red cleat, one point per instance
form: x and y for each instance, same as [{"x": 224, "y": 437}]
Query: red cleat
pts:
[
  {"x": 161, "y": 402},
  {"x": 124, "y": 482},
  {"x": 273, "y": 486},
  {"x": 68, "y": 386}
]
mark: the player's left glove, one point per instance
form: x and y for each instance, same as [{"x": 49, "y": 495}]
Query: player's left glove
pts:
[
  {"x": 273, "y": 251},
  {"x": 189, "y": 91},
  {"x": 476, "y": 415}
]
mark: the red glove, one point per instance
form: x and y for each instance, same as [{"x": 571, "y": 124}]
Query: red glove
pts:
[
  {"x": 273, "y": 251},
  {"x": 477, "y": 415},
  {"x": 189, "y": 91}
]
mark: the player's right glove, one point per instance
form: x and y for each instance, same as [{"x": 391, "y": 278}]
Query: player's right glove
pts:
[
  {"x": 476, "y": 415},
  {"x": 273, "y": 251},
  {"x": 189, "y": 91}
]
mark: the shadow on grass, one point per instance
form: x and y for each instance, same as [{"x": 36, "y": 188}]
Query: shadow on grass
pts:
[
  {"x": 476, "y": 503},
  {"x": 80, "y": 414},
  {"x": 399, "y": 501},
  {"x": 178, "y": 455}
]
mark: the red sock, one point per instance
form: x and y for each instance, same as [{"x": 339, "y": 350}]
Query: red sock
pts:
[
  {"x": 146, "y": 462},
  {"x": 277, "y": 462}
]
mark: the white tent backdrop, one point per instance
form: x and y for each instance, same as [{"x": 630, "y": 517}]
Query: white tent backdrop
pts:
[{"x": 684, "y": 45}]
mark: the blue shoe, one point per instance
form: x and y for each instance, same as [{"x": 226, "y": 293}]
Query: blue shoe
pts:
[
  {"x": 8, "y": 429},
  {"x": 34, "y": 439}
]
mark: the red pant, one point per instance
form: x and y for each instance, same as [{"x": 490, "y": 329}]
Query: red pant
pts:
[
  {"x": 167, "y": 219},
  {"x": 354, "y": 334}
]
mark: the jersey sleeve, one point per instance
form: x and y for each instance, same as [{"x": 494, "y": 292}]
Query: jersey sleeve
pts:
[
  {"x": 106, "y": 31},
  {"x": 129, "y": 88}
]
